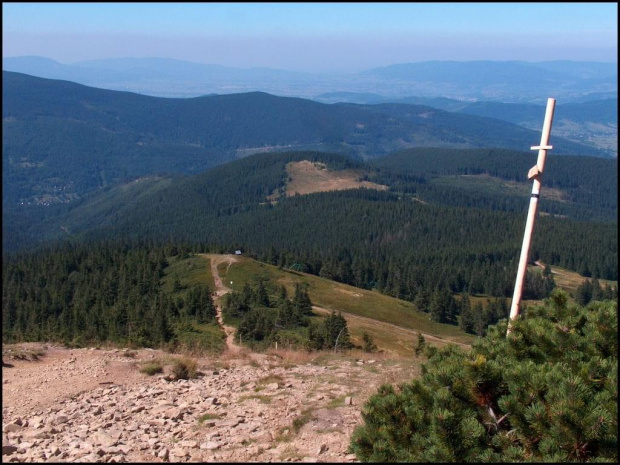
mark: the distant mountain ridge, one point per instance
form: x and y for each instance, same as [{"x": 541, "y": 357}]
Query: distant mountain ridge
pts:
[
  {"x": 505, "y": 81},
  {"x": 511, "y": 73},
  {"x": 62, "y": 140},
  {"x": 597, "y": 111},
  {"x": 594, "y": 121}
]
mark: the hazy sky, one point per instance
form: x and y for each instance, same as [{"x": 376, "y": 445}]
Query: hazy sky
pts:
[{"x": 312, "y": 36}]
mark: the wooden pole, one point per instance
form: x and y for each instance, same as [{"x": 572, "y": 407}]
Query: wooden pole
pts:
[
  {"x": 535, "y": 173},
  {"x": 338, "y": 337}
]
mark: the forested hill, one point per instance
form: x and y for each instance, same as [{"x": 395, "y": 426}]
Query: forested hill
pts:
[
  {"x": 423, "y": 231},
  {"x": 586, "y": 181},
  {"x": 62, "y": 140}
]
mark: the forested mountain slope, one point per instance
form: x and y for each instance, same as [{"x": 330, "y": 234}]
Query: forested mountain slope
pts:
[
  {"x": 593, "y": 122},
  {"x": 583, "y": 188},
  {"x": 62, "y": 140},
  {"x": 417, "y": 235}
]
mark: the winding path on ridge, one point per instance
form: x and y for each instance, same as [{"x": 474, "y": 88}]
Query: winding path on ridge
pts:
[{"x": 220, "y": 290}]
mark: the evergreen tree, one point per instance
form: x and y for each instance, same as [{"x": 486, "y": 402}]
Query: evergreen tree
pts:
[
  {"x": 597, "y": 290},
  {"x": 256, "y": 325},
  {"x": 283, "y": 294},
  {"x": 235, "y": 305},
  {"x": 443, "y": 306},
  {"x": 316, "y": 336},
  {"x": 247, "y": 295},
  {"x": 287, "y": 315},
  {"x": 467, "y": 316},
  {"x": 420, "y": 344},
  {"x": 422, "y": 301},
  {"x": 337, "y": 332},
  {"x": 369, "y": 345},
  {"x": 163, "y": 331},
  {"x": 301, "y": 300},
  {"x": 481, "y": 320},
  {"x": 583, "y": 294},
  {"x": 261, "y": 298}
]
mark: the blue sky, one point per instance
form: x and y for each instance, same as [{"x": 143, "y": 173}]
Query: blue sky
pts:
[{"x": 312, "y": 36}]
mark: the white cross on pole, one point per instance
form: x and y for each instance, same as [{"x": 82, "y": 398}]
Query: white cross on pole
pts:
[{"x": 535, "y": 173}]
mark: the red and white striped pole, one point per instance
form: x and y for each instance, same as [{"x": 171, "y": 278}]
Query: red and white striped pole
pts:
[{"x": 535, "y": 173}]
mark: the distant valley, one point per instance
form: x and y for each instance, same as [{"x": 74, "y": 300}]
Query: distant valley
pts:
[{"x": 498, "y": 81}]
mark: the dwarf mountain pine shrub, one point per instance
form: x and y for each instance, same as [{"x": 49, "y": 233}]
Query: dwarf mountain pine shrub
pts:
[
  {"x": 546, "y": 393},
  {"x": 184, "y": 368}
]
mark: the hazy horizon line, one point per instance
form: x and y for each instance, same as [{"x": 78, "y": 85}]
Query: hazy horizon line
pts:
[{"x": 154, "y": 57}]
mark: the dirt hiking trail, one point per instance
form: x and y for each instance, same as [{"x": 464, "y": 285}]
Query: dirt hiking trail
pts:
[{"x": 220, "y": 290}]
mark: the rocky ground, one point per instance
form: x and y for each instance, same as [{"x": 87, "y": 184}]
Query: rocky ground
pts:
[{"x": 94, "y": 405}]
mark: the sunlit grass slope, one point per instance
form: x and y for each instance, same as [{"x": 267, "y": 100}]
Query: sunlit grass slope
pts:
[
  {"x": 570, "y": 280},
  {"x": 392, "y": 323},
  {"x": 188, "y": 271},
  {"x": 359, "y": 305}
]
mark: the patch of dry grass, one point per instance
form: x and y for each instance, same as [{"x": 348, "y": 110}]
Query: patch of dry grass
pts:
[
  {"x": 17, "y": 352},
  {"x": 284, "y": 434},
  {"x": 290, "y": 454},
  {"x": 304, "y": 417},
  {"x": 269, "y": 379},
  {"x": 290, "y": 358},
  {"x": 184, "y": 368},
  {"x": 261, "y": 398},
  {"x": 287, "y": 433},
  {"x": 152, "y": 368},
  {"x": 208, "y": 416},
  {"x": 307, "y": 177},
  {"x": 338, "y": 401}
]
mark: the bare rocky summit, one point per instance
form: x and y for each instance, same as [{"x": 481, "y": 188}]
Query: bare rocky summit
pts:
[{"x": 94, "y": 405}]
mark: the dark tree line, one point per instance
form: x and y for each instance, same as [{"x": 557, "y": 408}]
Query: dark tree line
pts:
[
  {"x": 444, "y": 307},
  {"x": 262, "y": 320},
  {"x": 591, "y": 290},
  {"x": 476, "y": 318},
  {"x": 88, "y": 294},
  {"x": 587, "y": 181}
]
